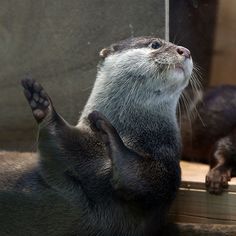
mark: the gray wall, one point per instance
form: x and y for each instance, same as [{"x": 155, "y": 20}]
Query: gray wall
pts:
[{"x": 57, "y": 43}]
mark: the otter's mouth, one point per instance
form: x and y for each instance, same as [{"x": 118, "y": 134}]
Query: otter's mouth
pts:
[
  {"x": 179, "y": 68},
  {"x": 184, "y": 67}
]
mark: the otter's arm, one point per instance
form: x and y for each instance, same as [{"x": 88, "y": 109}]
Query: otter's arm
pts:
[
  {"x": 55, "y": 159},
  {"x": 222, "y": 164},
  {"x": 37, "y": 214},
  {"x": 134, "y": 177}
]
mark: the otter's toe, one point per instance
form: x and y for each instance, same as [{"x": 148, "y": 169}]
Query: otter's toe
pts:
[
  {"x": 102, "y": 126},
  {"x": 37, "y": 98},
  {"x": 216, "y": 181},
  {"x": 96, "y": 119}
]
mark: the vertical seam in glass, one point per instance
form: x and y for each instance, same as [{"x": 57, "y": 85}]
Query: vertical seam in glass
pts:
[{"x": 167, "y": 15}]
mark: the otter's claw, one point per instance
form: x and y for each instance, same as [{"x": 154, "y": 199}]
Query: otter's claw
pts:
[
  {"x": 217, "y": 180},
  {"x": 37, "y": 98}
]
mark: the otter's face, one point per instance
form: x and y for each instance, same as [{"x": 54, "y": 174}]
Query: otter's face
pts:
[{"x": 160, "y": 65}]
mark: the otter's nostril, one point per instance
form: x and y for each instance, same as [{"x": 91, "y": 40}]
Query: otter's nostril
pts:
[
  {"x": 183, "y": 52},
  {"x": 180, "y": 51}
]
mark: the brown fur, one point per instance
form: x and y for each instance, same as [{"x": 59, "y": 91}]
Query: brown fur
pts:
[{"x": 203, "y": 139}]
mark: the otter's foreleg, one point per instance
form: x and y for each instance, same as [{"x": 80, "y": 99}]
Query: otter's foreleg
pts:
[
  {"x": 56, "y": 161},
  {"x": 222, "y": 164},
  {"x": 133, "y": 175}
]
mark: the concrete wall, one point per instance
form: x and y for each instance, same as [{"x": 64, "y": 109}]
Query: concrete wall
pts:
[{"x": 57, "y": 43}]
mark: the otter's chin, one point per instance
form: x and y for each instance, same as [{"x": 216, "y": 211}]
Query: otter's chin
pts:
[
  {"x": 188, "y": 67},
  {"x": 178, "y": 76},
  {"x": 182, "y": 71}
]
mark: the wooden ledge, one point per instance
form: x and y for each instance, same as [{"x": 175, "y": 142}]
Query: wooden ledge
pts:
[
  {"x": 205, "y": 229},
  {"x": 193, "y": 176},
  {"x": 194, "y": 205}
]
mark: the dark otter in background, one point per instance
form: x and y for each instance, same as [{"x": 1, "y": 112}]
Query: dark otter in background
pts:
[
  {"x": 212, "y": 139},
  {"x": 113, "y": 175}
]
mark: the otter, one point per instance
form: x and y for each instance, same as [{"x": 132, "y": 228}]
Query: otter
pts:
[
  {"x": 213, "y": 141},
  {"x": 117, "y": 171}
]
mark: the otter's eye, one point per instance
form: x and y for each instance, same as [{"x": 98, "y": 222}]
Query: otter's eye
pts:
[{"x": 155, "y": 45}]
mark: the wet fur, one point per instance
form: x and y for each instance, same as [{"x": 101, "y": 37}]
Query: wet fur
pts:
[
  {"x": 211, "y": 139},
  {"x": 82, "y": 185}
]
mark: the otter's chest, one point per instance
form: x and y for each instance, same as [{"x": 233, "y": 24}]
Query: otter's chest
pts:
[{"x": 113, "y": 218}]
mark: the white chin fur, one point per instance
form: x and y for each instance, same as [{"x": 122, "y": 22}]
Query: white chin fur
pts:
[
  {"x": 188, "y": 67},
  {"x": 137, "y": 62},
  {"x": 184, "y": 72}
]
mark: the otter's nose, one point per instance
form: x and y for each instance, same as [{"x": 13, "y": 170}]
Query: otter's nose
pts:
[{"x": 183, "y": 51}]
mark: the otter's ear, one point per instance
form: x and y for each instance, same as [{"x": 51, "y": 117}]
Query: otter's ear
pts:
[{"x": 105, "y": 52}]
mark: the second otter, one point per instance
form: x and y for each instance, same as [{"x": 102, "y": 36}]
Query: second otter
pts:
[
  {"x": 213, "y": 141},
  {"x": 117, "y": 172}
]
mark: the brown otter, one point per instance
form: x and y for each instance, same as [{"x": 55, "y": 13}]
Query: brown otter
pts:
[
  {"x": 117, "y": 171},
  {"x": 212, "y": 139}
]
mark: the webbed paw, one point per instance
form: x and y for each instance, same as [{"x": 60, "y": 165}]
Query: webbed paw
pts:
[
  {"x": 217, "y": 180},
  {"x": 37, "y": 98}
]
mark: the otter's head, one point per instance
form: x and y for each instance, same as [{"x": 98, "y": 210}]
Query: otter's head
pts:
[
  {"x": 153, "y": 64},
  {"x": 145, "y": 73}
]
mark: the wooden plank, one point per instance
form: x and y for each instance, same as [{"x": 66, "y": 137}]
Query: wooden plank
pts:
[
  {"x": 198, "y": 206},
  {"x": 195, "y": 205},
  {"x": 187, "y": 229},
  {"x": 193, "y": 176},
  {"x": 201, "y": 186},
  {"x": 193, "y": 172}
]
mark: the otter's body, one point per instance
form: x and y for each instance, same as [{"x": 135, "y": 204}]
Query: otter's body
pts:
[
  {"x": 117, "y": 171},
  {"x": 212, "y": 138}
]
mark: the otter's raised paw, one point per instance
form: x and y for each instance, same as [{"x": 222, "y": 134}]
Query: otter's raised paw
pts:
[
  {"x": 217, "y": 180},
  {"x": 106, "y": 131},
  {"x": 37, "y": 98},
  {"x": 101, "y": 125}
]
